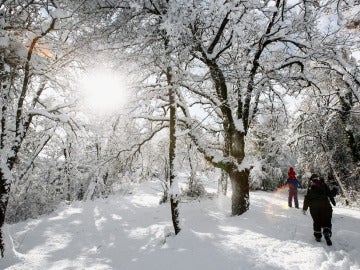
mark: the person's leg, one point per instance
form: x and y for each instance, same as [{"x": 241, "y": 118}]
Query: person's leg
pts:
[
  {"x": 326, "y": 224},
  {"x": 316, "y": 223},
  {"x": 296, "y": 199},
  {"x": 290, "y": 198}
]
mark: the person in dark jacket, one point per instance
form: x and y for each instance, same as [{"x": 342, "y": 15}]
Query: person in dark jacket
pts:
[
  {"x": 293, "y": 185},
  {"x": 317, "y": 199}
]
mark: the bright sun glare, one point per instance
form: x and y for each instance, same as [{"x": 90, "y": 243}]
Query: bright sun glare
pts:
[{"x": 103, "y": 91}]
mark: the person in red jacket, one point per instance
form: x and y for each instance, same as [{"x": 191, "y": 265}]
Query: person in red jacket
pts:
[{"x": 293, "y": 185}]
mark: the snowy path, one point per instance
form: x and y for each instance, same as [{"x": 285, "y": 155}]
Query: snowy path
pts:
[{"x": 128, "y": 232}]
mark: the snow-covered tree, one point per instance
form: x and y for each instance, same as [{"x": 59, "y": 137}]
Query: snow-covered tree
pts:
[
  {"x": 216, "y": 73},
  {"x": 270, "y": 145},
  {"x": 247, "y": 50},
  {"x": 34, "y": 44},
  {"x": 329, "y": 136},
  {"x": 226, "y": 57}
]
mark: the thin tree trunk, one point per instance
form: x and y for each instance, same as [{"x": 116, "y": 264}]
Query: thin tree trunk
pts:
[
  {"x": 174, "y": 198},
  {"x": 4, "y": 182},
  {"x": 165, "y": 185},
  {"x": 4, "y": 199},
  {"x": 67, "y": 153},
  {"x": 192, "y": 171},
  {"x": 343, "y": 190},
  {"x": 223, "y": 182}
]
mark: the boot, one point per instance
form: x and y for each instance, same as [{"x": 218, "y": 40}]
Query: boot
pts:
[
  {"x": 328, "y": 241},
  {"x": 327, "y": 234},
  {"x": 317, "y": 236}
]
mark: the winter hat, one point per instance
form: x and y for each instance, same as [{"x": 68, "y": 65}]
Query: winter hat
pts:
[
  {"x": 316, "y": 180},
  {"x": 314, "y": 177},
  {"x": 291, "y": 174}
]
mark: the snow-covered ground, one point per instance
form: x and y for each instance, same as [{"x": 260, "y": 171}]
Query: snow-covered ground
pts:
[{"x": 134, "y": 232}]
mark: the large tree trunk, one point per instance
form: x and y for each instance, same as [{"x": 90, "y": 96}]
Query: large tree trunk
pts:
[
  {"x": 234, "y": 147},
  {"x": 239, "y": 177},
  {"x": 240, "y": 200}
]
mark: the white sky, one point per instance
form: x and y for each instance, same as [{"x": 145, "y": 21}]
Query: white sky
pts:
[
  {"x": 128, "y": 232},
  {"x": 103, "y": 91}
]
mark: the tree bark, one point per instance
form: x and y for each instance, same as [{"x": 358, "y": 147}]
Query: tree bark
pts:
[
  {"x": 4, "y": 199},
  {"x": 240, "y": 200},
  {"x": 174, "y": 198},
  {"x": 4, "y": 166},
  {"x": 67, "y": 164},
  {"x": 234, "y": 148},
  {"x": 239, "y": 177},
  {"x": 223, "y": 182}
]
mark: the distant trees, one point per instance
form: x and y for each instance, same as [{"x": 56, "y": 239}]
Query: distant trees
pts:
[
  {"x": 327, "y": 127},
  {"x": 269, "y": 143},
  {"x": 325, "y": 143}
]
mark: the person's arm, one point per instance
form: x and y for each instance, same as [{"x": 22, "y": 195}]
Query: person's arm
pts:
[
  {"x": 306, "y": 203},
  {"x": 332, "y": 200},
  {"x": 334, "y": 190},
  {"x": 331, "y": 193}
]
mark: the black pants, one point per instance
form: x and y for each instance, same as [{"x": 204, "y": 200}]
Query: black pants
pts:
[{"x": 322, "y": 220}]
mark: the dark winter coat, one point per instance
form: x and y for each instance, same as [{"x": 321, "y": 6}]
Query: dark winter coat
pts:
[{"x": 318, "y": 196}]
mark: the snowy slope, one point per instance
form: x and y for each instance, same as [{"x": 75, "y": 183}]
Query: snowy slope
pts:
[{"x": 129, "y": 232}]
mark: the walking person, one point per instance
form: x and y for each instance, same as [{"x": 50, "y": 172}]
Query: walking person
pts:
[
  {"x": 318, "y": 199},
  {"x": 293, "y": 185}
]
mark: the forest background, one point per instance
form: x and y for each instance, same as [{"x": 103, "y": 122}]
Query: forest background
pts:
[{"x": 243, "y": 89}]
